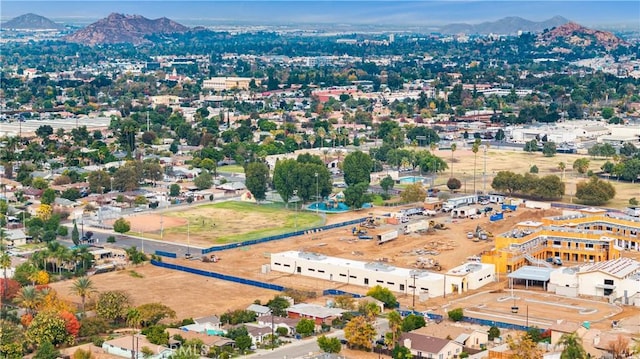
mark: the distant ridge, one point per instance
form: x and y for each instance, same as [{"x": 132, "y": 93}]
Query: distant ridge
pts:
[
  {"x": 30, "y": 22},
  {"x": 578, "y": 35},
  {"x": 120, "y": 28},
  {"x": 505, "y": 26}
]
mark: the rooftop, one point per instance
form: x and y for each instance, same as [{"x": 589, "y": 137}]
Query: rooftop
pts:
[
  {"x": 620, "y": 268},
  {"x": 315, "y": 311},
  {"x": 372, "y": 266},
  {"x": 532, "y": 273}
]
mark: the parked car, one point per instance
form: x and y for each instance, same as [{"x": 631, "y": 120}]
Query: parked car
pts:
[{"x": 87, "y": 236}]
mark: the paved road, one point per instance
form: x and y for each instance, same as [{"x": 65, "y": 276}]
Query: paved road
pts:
[
  {"x": 303, "y": 348},
  {"x": 149, "y": 246}
]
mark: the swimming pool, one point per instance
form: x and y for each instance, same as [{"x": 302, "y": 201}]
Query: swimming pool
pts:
[
  {"x": 337, "y": 208},
  {"x": 412, "y": 179}
]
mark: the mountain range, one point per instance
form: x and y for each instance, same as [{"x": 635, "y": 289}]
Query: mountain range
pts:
[
  {"x": 120, "y": 28},
  {"x": 505, "y": 26},
  {"x": 30, "y": 22}
]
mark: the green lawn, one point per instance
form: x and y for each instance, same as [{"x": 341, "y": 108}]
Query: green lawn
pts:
[{"x": 231, "y": 169}]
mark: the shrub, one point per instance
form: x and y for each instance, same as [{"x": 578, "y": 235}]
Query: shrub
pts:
[{"x": 455, "y": 314}]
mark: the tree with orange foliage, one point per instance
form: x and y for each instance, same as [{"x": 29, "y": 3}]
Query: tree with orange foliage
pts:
[
  {"x": 26, "y": 319},
  {"x": 71, "y": 323},
  {"x": 12, "y": 288}
]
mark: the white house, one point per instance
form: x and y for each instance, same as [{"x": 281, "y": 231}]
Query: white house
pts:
[
  {"x": 15, "y": 237},
  {"x": 369, "y": 274},
  {"x": 125, "y": 346}
]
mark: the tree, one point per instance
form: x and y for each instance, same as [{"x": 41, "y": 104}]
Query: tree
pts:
[
  {"x": 356, "y": 195},
  {"x": 75, "y": 234},
  {"x": 395, "y": 328},
  {"x": 494, "y": 332},
  {"x": 204, "y": 180},
  {"x": 454, "y": 147},
  {"x": 549, "y": 149},
  {"x": 99, "y": 181},
  {"x": 46, "y": 350},
  {"x": 387, "y": 183},
  {"x": 83, "y": 288},
  {"x": 29, "y": 298},
  {"x": 156, "y": 334},
  {"x": 454, "y": 184},
  {"x": 10, "y": 340},
  {"x": 581, "y": 165},
  {"x": 284, "y": 180},
  {"x": 174, "y": 190},
  {"x": 607, "y": 113},
  {"x": 359, "y": 333},
  {"x": 595, "y": 192},
  {"x": 278, "y": 306},
  {"x": 534, "y": 169},
  {"x": 48, "y": 196},
  {"x": 357, "y": 168},
  {"x": 152, "y": 313},
  {"x": 531, "y": 146},
  {"x": 412, "y": 322},
  {"x": 384, "y": 295},
  {"x": 112, "y": 305},
  {"x": 455, "y": 314},
  {"x": 305, "y": 327},
  {"x": 475, "y": 148},
  {"x": 121, "y": 226},
  {"x": 413, "y": 193},
  {"x": 523, "y": 347},
  {"x": 562, "y": 167},
  {"x": 257, "y": 177},
  {"x": 572, "y": 347},
  {"x": 329, "y": 345},
  {"x": 618, "y": 347},
  {"x": 48, "y": 326},
  {"x": 401, "y": 352},
  {"x": 135, "y": 256}
]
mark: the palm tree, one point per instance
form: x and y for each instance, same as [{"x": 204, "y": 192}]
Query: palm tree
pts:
[
  {"x": 454, "y": 147},
  {"x": 562, "y": 166},
  {"x": 83, "y": 287},
  {"x": 475, "y": 149},
  {"x": 395, "y": 325},
  {"x": 28, "y": 298},
  {"x": 322, "y": 133},
  {"x": 572, "y": 345}
]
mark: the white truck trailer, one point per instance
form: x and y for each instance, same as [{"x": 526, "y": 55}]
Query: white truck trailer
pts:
[{"x": 387, "y": 236}]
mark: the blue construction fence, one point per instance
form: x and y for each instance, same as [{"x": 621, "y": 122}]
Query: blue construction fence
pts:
[
  {"x": 229, "y": 278},
  {"x": 340, "y": 292},
  {"x": 484, "y": 322},
  {"x": 281, "y": 236},
  {"x": 166, "y": 254}
]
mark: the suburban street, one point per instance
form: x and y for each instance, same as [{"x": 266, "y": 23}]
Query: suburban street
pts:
[{"x": 302, "y": 348}]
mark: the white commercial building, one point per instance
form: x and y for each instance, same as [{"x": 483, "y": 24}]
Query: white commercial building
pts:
[
  {"x": 369, "y": 274},
  {"x": 617, "y": 279},
  {"x": 228, "y": 83}
]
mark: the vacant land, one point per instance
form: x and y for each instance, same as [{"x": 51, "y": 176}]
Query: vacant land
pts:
[{"x": 520, "y": 162}]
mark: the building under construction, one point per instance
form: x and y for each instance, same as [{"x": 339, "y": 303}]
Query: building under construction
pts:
[{"x": 589, "y": 235}]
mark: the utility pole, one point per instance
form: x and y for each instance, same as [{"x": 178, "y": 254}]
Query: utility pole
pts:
[{"x": 147, "y": 121}]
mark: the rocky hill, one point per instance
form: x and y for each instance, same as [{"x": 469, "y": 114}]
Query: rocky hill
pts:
[
  {"x": 30, "y": 22},
  {"x": 506, "y": 26},
  {"x": 119, "y": 28},
  {"x": 577, "y": 35}
]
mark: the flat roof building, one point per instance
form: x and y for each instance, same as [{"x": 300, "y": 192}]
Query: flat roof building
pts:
[{"x": 369, "y": 274}]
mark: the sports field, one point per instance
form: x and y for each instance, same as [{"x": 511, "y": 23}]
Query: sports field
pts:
[{"x": 219, "y": 223}]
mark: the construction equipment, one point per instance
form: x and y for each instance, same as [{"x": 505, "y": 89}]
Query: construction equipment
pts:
[{"x": 428, "y": 263}]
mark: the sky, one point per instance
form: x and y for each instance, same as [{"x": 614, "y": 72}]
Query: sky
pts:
[{"x": 371, "y": 12}]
